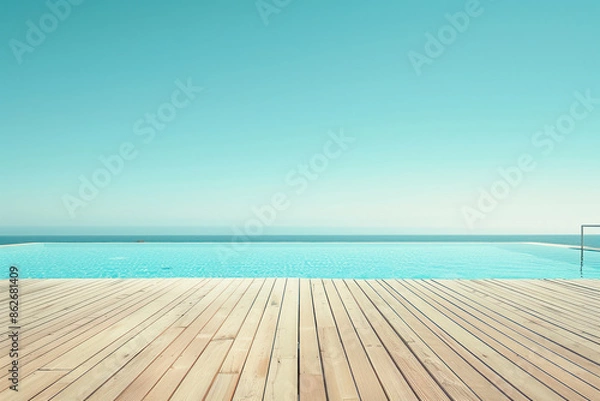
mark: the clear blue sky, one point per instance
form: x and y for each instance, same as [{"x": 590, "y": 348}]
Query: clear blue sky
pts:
[{"x": 424, "y": 144}]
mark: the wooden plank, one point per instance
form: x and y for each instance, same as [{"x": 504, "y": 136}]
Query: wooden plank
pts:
[
  {"x": 482, "y": 380},
  {"x": 80, "y": 301},
  {"x": 37, "y": 308},
  {"x": 367, "y": 382},
  {"x": 243, "y": 341},
  {"x": 339, "y": 380},
  {"x": 111, "y": 388},
  {"x": 526, "y": 315},
  {"x": 392, "y": 379},
  {"x": 504, "y": 317},
  {"x": 319, "y": 340},
  {"x": 227, "y": 379},
  {"x": 231, "y": 327},
  {"x": 551, "y": 376},
  {"x": 87, "y": 377},
  {"x": 39, "y": 287},
  {"x": 312, "y": 385},
  {"x": 199, "y": 378},
  {"x": 39, "y": 358},
  {"x": 549, "y": 353},
  {"x": 553, "y": 300},
  {"x": 193, "y": 323},
  {"x": 576, "y": 314},
  {"x": 217, "y": 313},
  {"x": 52, "y": 330},
  {"x": 74, "y": 357},
  {"x": 567, "y": 293},
  {"x": 580, "y": 286},
  {"x": 526, "y": 383},
  {"x": 35, "y": 383},
  {"x": 222, "y": 387},
  {"x": 51, "y": 333},
  {"x": 251, "y": 385},
  {"x": 398, "y": 338},
  {"x": 282, "y": 378}
]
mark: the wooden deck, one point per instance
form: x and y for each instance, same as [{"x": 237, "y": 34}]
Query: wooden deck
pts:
[{"x": 278, "y": 339}]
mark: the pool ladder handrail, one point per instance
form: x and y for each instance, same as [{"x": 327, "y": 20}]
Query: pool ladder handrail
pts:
[{"x": 583, "y": 227}]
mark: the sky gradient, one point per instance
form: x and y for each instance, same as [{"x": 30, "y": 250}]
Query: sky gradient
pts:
[{"x": 423, "y": 147}]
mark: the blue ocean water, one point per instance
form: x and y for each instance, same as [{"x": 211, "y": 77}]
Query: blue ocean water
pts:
[
  {"x": 361, "y": 260},
  {"x": 590, "y": 239}
]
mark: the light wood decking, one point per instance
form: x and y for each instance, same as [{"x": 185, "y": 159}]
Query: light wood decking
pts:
[{"x": 278, "y": 339}]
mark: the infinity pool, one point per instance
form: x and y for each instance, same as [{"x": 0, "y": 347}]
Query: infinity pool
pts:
[{"x": 306, "y": 260}]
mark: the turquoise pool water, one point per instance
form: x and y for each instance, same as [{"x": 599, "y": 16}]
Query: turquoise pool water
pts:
[{"x": 308, "y": 260}]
